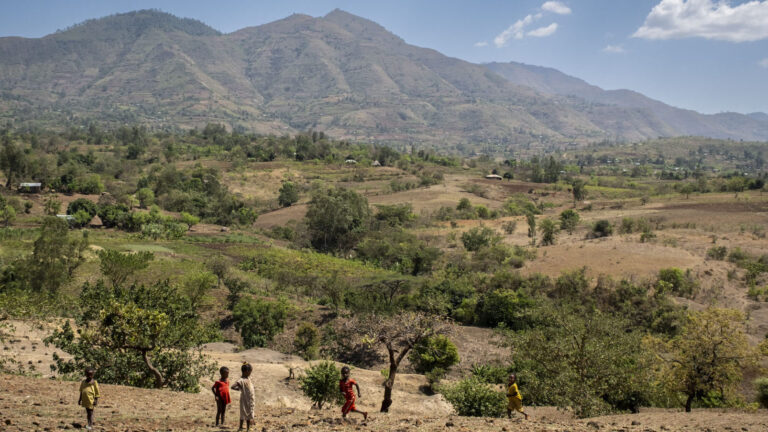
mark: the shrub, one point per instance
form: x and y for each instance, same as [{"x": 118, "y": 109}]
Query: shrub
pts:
[
  {"x": 307, "y": 341},
  {"x": 761, "y": 385},
  {"x": 289, "y": 194},
  {"x": 471, "y": 397},
  {"x": 434, "y": 355},
  {"x": 258, "y": 321},
  {"x": 337, "y": 218},
  {"x": 509, "y": 227},
  {"x": 479, "y": 237},
  {"x": 464, "y": 204},
  {"x": 675, "y": 281},
  {"x": 504, "y": 306},
  {"x": 548, "y": 230},
  {"x": 320, "y": 384},
  {"x": 569, "y": 220},
  {"x": 717, "y": 252},
  {"x": 146, "y": 197},
  {"x": 82, "y": 204},
  {"x": 602, "y": 228},
  {"x": 490, "y": 374}
]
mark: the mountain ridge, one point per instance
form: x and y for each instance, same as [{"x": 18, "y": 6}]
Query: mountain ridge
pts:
[{"x": 339, "y": 73}]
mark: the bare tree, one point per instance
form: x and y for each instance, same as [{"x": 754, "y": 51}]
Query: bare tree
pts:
[{"x": 398, "y": 334}]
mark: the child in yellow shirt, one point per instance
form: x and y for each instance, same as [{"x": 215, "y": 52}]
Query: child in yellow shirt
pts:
[
  {"x": 514, "y": 398},
  {"x": 89, "y": 395}
]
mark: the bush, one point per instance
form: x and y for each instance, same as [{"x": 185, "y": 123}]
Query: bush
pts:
[
  {"x": 602, "y": 228},
  {"x": 320, "y": 384},
  {"x": 258, "y": 321},
  {"x": 491, "y": 374},
  {"x": 479, "y": 237},
  {"x": 717, "y": 252},
  {"x": 307, "y": 341},
  {"x": 434, "y": 355},
  {"x": 471, "y": 397},
  {"x": 82, "y": 204},
  {"x": 337, "y": 218},
  {"x": 569, "y": 220},
  {"x": 289, "y": 194},
  {"x": 761, "y": 385},
  {"x": 509, "y": 227},
  {"x": 675, "y": 281},
  {"x": 504, "y": 306}
]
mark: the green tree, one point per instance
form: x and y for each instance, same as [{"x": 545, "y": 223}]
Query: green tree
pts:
[
  {"x": 736, "y": 185},
  {"x": 146, "y": 197},
  {"x": 531, "y": 219},
  {"x": 569, "y": 220},
  {"x": 434, "y": 356},
  {"x": 13, "y": 160},
  {"x": 581, "y": 359},
  {"x": 146, "y": 336},
  {"x": 258, "y": 321},
  {"x": 337, "y": 219},
  {"x": 307, "y": 341},
  {"x": 81, "y": 204},
  {"x": 7, "y": 214},
  {"x": 548, "y": 229},
  {"x": 579, "y": 190},
  {"x": 709, "y": 355},
  {"x": 687, "y": 189},
  {"x": 55, "y": 256},
  {"x": 320, "y": 384},
  {"x": 52, "y": 206},
  {"x": 478, "y": 238},
  {"x": 189, "y": 220},
  {"x": 289, "y": 194},
  {"x": 117, "y": 267}
]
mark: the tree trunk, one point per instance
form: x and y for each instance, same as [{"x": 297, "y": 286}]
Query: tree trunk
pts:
[
  {"x": 158, "y": 376},
  {"x": 688, "y": 403},
  {"x": 388, "y": 385}
]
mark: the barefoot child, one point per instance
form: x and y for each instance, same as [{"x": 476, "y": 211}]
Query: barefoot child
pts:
[
  {"x": 89, "y": 395},
  {"x": 221, "y": 393},
  {"x": 514, "y": 397},
  {"x": 347, "y": 385},
  {"x": 247, "y": 395}
]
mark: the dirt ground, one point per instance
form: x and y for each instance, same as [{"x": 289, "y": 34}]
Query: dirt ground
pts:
[{"x": 36, "y": 404}]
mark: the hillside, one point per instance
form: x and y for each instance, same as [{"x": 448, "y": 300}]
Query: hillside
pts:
[
  {"x": 631, "y": 114},
  {"x": 339, "y": 73}
]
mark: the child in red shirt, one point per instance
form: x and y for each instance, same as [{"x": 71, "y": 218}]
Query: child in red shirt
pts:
[
  {"x": 221, "y": 393},
  {"x": 347, "y": 385}
]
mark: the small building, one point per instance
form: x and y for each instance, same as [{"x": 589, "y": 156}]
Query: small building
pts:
[
  {"x": 96, "y": 222},
  {"x": 494, "y": 177},
  {"x": 30, "y": 187}
]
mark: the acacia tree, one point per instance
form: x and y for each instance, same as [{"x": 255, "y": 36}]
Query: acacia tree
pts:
[
  {"x": 144, "y": 336},
  {"x": 399, "y": 334},
  {"x": 55, "y": 256},
  {"x": 117, "y": 267},
  {"x": 581, "y": 359},
  {"x": 337, "y": 218},
  {"x": 710, "y": 354}
]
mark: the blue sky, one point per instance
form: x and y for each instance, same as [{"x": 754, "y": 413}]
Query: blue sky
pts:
[{"x": 707, "y": 55}]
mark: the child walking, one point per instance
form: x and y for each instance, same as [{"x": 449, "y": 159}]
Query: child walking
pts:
[
  {"x": 89, "y": 395},
  {"x": 247, "y": 402},
  {"x": 347, "y": 385},
  {"x": 221, "y": 393},
  {"x": 514, "y": 398}
]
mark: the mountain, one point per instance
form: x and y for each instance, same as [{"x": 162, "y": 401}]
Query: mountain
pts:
[
  {"x": 340, "y": 73},
  {"x": 634, "y": 115}
]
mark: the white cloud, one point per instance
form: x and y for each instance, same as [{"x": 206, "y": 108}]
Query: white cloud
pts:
[
  {"x": 674, "y": 19},
  {"x": 556, "y": 7},
  {"x": 614, "y": 49},
  {"x": 544, "y": 31},
  {"x": 516, "y": 30},
  {"x": 481, "y": 44},
  {"x": 763, "y": 63}
]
